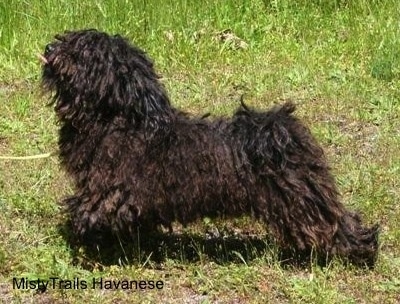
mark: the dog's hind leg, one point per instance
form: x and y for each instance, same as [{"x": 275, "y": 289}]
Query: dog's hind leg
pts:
[{"x": 295, "y": 191}]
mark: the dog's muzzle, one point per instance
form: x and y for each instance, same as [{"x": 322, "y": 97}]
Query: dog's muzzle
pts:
[{"x": 48, "y": 49}]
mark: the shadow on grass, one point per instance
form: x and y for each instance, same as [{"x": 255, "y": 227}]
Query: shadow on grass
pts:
[{"x": 184, "y": 247}]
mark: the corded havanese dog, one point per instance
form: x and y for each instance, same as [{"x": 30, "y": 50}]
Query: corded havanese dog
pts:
[{"x": 139, "y": 163}]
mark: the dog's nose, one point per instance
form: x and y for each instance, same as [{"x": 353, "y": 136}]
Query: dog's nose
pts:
[{"x": 48, "y": 49}]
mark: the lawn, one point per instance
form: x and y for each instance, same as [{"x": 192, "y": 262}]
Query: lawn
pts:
[{"x": 339, "y": 62}]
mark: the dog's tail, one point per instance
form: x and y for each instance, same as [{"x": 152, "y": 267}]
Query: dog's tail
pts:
[
  {"x": 275, "y": 140},
  {"x": 301, "y": 201}
]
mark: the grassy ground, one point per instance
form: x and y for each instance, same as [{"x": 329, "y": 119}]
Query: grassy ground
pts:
[{"x": 341, "y": 64}]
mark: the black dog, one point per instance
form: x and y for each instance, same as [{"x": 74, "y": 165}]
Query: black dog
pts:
[{"x": 139, "y": 163}]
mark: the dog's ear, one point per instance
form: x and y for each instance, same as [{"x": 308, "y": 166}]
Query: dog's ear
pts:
[
  {"x": 137, "y": 90},
  {"x": 118, "y": 78}
]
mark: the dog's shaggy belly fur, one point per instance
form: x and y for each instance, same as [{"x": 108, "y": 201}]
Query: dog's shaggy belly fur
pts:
[
  {"x": 138, "y": 163},
  {"x": 177, "y": 176}
]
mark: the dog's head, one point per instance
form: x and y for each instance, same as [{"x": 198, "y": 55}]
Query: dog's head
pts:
[{"x": 95, "y": 74}]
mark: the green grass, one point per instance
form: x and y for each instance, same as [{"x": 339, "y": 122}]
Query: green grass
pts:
[{"x": 339, "y": 61}]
